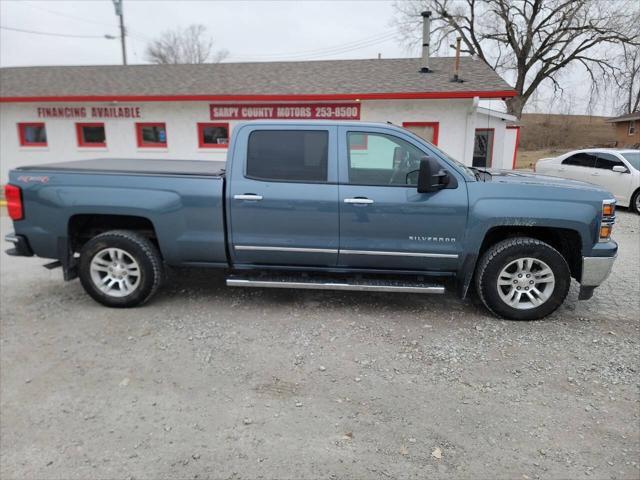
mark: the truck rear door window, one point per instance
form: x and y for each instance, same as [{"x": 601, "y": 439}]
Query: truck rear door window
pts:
[{"x": 288, "y": 155}]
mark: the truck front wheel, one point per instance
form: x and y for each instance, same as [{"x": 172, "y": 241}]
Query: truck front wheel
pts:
[
  {"x": 120, "y": 268},
  {"x": 522, "y": 278}
]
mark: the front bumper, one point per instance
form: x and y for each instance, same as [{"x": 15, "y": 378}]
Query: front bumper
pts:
[
  {"x": 595, "y": 271},
  {"x": 21, "y": 246}
]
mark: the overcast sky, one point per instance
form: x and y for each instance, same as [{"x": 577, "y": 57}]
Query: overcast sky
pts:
[{"x": 249, "y": 30}]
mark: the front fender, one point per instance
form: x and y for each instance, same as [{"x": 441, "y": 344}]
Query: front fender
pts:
[{"x": 521, "y": 214}]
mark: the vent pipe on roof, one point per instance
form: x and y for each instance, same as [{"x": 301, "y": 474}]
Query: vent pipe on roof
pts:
[
  {"x": 456, "y": 67},
  {"x": 426, "y": 34}
]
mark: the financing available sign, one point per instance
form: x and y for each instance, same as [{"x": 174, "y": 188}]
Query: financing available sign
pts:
[
  {"x": 286, "y": 111},
  {"x": 90, "y": 112}
]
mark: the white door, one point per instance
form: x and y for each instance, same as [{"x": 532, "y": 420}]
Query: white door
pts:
[
  {"x": 578, "y": 166},
  {"x": 617, "y": 183}
]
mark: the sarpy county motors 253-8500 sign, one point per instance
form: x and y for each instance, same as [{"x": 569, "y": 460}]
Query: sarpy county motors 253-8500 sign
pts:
[{"x": 285, "y": 111}]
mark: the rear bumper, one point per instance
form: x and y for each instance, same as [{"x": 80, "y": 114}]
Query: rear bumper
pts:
[{"x": 21, "y": 246}]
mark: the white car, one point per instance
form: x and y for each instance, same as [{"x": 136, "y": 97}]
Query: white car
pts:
[{"x": 616, "y": 170}]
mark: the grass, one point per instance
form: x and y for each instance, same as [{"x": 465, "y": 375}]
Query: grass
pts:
[{"x": 527, "y": 158}]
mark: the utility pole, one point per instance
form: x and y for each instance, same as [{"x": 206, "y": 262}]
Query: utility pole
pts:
[{"x": 119, "y": 12}]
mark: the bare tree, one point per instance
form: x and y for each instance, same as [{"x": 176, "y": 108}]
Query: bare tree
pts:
[
  {"x": 628, "y": 80},
  {"x": 187, "y": 45},
  {"x": 533, "y": 41}
]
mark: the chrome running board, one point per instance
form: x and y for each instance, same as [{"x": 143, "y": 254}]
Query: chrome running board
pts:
[{"x": 358, "y": 285}]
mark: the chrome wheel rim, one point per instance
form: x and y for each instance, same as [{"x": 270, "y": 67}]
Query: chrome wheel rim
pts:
[
  {"x": 115, "y": 272},
  {"x": 526, "y": 283},
  {"x": 638, "y": 203}
]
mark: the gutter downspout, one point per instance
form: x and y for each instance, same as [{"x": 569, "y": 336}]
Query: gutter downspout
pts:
[{"x": 470, "y": 132}]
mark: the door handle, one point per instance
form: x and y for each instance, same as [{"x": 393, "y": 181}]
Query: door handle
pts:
[
  {"x": 595, "y": 174},
  {"x": 359, "y": 201},
  {"x": 248, "y": 196}
]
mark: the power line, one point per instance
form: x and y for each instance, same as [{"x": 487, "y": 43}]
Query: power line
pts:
[
  {"x": 325, "y": 52},
  {"x": 350, "y": 49},
  {"x": 355, "y": 43},
  {"x": 82, "y": 19},
  {"x": 319, "y": 50},
  {"x": 52, "y": 34},
  {"x": 60, "y": 14}
]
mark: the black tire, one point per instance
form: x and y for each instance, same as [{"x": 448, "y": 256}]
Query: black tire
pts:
[
  {"x": 499, "y": 256},
  {"x": 633, "y": 206},
  {"x": 137, "y": 247}
]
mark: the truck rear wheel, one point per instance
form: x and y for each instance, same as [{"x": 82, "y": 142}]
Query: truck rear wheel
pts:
[
  {"x": 120, "y": 268},
  {"x": 522, "y": 278}
]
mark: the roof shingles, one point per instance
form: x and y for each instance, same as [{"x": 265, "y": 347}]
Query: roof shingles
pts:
[{"x": 340, "y": 77}]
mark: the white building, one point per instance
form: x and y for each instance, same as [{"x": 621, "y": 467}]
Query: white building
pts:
[{"x": 52, "y": 114}]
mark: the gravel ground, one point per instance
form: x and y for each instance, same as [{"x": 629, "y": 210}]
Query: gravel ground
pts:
[{"x": 212, "y": 382}]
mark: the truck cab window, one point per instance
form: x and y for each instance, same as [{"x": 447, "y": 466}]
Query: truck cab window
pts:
[
  {"x": 386, "y": 160},
  {"x": 288, "y": 155}
]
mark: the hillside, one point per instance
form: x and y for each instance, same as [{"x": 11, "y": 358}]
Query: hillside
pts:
[
  {"x": 541, "y": 131},
  {"x": 544, "y": 135}
]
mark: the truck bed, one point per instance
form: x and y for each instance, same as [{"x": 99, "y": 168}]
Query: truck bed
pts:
[
  {"x": 200, "y": 168},
  {"x": 182, "y": 199}
]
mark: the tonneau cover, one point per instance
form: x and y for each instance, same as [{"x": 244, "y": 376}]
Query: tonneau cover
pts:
[{"x": 142, "y": 166}]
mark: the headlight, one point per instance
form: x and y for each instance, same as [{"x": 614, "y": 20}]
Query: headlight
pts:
[
  {"x": 608, "y": 219},
  {"x": 608, "y": 208}
]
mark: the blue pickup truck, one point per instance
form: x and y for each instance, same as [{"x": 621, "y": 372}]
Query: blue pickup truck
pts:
[{"x": 318, "y": 205}]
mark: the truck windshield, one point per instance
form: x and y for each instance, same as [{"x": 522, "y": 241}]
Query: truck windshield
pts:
[
  {"x": 468, "y": 170},
  {"x": 465, "y": 169},
  {"x": 633, "y": 158}
]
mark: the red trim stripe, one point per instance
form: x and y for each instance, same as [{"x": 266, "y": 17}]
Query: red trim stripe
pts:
[{"x": 266, "y": 98}]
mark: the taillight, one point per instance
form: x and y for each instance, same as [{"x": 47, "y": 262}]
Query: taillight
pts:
[{"x": 13, "y": 195}]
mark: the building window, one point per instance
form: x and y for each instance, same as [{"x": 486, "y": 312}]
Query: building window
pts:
[
  {"x": 358, "y": 141},
  {"x": 32, "y": 134},
  {"x": 483, "y": 147},
  {"x": 288, "y": 155},
  {"x": 632, "y": 127},
  {"x": 426, "y": 130},
  {"x": 151, "y": 135},
  {"x": 91, "y": 135},
  {"x": 213, "y": 135}
]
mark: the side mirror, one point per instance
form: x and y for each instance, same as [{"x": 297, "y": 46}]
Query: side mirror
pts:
[
  {"x": 431, "y": 177},
  {"x": 620, "y": 169}
]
